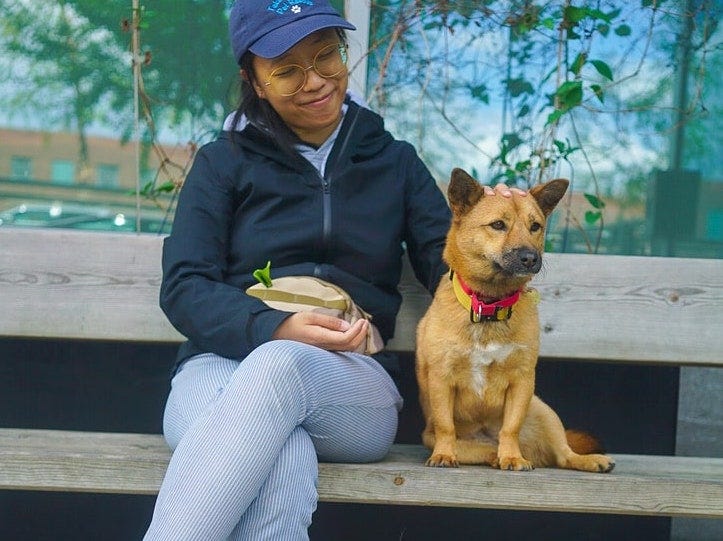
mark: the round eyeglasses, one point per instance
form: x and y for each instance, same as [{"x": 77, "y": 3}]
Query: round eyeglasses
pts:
[{"x": 329, "y": 62}]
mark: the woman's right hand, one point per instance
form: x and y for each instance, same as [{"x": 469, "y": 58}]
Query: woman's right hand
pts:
[
  {"x": 503, "y": 190},
  {"x": 327, "y": 332}
]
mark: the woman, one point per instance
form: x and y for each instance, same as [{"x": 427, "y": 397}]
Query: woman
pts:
[{"x": 311, "y": 181}]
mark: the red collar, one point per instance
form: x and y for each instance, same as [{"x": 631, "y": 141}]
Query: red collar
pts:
[{"x": 479, "y": 310}]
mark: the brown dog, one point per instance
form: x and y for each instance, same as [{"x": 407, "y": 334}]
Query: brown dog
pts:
[{"x": 477, "y": 344}]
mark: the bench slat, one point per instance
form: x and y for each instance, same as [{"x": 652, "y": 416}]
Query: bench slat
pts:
[
  {"x": 104, "y": 286},
  {"x": 655, "y": 310},
  {"x": 643, "y": 309},
  {"x": 95, "y": 286},
  {"x": 135, "y": 463}
]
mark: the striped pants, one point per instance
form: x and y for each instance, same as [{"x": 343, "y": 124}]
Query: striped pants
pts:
[{"x": 246, "y": 437}]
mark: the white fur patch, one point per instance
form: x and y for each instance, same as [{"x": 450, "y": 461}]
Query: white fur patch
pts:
[{"x": 482, "y": 356}]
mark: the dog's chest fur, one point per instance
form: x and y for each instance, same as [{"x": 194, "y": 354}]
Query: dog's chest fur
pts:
[{"x": 478, "y": 357}]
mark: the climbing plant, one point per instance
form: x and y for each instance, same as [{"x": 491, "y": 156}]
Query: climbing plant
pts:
[
  {"x": 533, "y": 88},
  {"x": 518, "y": 91}
]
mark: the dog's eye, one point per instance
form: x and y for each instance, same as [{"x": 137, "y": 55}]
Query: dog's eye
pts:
[
  {"x": 536, "y": 226},
  {"x": 499, "y": 225}
]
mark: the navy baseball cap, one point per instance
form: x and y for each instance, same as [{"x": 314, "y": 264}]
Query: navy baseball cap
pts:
[{"x": 268, "y": 28}]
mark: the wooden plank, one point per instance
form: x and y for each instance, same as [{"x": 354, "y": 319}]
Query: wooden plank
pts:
[
  {"x": 615, "y": 308},
  {"x": 89, "y": 285},
  {"x": 84, "y": 285},
  {"x": 638, "y": 309},
  {"x": 134, "y": 463},
  {"x": 639, "y": 485},
  {"x": 70, "y": 461}
]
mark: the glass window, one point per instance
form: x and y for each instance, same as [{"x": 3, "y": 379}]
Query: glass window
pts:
[
  {"x": 107, "y": 176},
  {"x": 21, "y": 168},
  {"x": 625, "y": 102},
  {"x": 714, "y": 226},
  {"x": 62, "y": 172}
]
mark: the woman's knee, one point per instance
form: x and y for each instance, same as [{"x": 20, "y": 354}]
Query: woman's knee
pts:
[
  {"x": 280, "y": 355},
  {"x": 352, "y": 434},
  {"x": 283, "y": 363}
]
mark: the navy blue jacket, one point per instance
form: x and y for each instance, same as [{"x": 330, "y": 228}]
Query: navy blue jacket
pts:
[{"x": 245, "y": 202}]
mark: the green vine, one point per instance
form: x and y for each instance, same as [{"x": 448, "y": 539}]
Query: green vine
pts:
[{"x": 539, "y": 107}]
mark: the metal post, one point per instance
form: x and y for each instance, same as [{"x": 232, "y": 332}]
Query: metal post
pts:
[{"x": 357, "y": 12}]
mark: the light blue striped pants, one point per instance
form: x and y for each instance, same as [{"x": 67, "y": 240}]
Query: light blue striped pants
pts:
[{"x": 246, "y": 437}]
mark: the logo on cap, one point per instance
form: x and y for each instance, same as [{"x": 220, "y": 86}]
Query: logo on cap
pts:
[{"x": 282, "y": 6}]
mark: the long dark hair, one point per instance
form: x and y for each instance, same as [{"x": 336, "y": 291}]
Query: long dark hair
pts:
[{"x": 259, "y": 111}]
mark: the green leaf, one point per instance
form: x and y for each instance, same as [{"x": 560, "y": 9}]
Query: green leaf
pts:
[
  {"x": 569, "y": 95},
  {"x": 574, "y": 14},
  {"x": 519, "y": 86},
  {"x": 264, "y": 275},
  {"x": 524, "y": 111},
  {"x": 603, "y": 69},
  {"x": 604, "y": 29},
  {"x": 511, "y": 140},
  {"x": 522, "y": 166},
  {"x": 592, "y": 217},
  {"x": 595, "y": 201},
  {"x": 554, "y": 117},
  {"x": 480, "y": 92},
  {"x": 597, "y": 89},
  {"x": 578, "y": 63},
  {"x": 147, "y": 188},
  {"x": 597, "y": 14},
  {"x": 623, "y": 30},
  {"x": 549, "y": 23},
  {"x": 166, "y": 187}
]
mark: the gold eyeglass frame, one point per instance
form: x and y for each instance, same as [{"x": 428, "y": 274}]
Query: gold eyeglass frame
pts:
[{"x": 343, "y": 51}]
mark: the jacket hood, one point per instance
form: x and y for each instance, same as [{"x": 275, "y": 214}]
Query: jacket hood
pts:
[{"x": 362, "y": 130}]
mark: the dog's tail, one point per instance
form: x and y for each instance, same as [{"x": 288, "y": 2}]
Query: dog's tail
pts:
[{"x": 583, "y": 443}]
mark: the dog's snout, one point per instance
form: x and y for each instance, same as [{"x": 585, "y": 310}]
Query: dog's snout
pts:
[
  {"x": 524, "y": 261},
  {"x": 521, "y": 261},
  {"x": 530, "y": 259}
]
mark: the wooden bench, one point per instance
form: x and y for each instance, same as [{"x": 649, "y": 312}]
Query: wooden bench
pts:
[{"x": 59, "y": 284}]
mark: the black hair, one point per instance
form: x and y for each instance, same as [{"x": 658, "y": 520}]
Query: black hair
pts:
[{"x": 259, "y": 111}]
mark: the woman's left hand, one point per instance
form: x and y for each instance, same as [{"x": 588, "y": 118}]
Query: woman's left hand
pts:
[{"x": 326, "y": 332}]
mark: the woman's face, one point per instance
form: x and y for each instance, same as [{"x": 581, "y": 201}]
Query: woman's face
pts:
[{"x": 315, "y": 110}]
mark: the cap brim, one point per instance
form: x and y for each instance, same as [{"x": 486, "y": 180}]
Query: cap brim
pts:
[{"x": 280, "y": 40}]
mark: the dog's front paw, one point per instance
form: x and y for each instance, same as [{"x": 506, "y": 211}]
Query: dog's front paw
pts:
[
  {"x": 440, "y": 460},
  {"x": 514, "y": 463}
]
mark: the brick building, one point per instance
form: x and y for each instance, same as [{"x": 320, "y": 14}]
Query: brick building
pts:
[{"x": 41, "y": 176}]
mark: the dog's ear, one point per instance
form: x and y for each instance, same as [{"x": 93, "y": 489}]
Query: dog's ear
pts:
[
  {"x": 464, "y": 192},
  {"x": 548, "y": 195}
]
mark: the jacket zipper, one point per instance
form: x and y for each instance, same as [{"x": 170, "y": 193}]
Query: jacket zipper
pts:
[
  {"x": 326, "y": 210},
  {"x": 325, "y": 218},
  {"x": 326, "y": 190}
]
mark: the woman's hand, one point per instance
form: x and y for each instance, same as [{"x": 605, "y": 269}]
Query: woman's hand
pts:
[
  {"x": 326, "y": 332},
  {"x": 503, "y": 190}
]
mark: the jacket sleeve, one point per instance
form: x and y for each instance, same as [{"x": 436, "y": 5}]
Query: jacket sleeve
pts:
[
  {"x": 427, "y": 222},
  {"x": 215, "y": 316}
]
